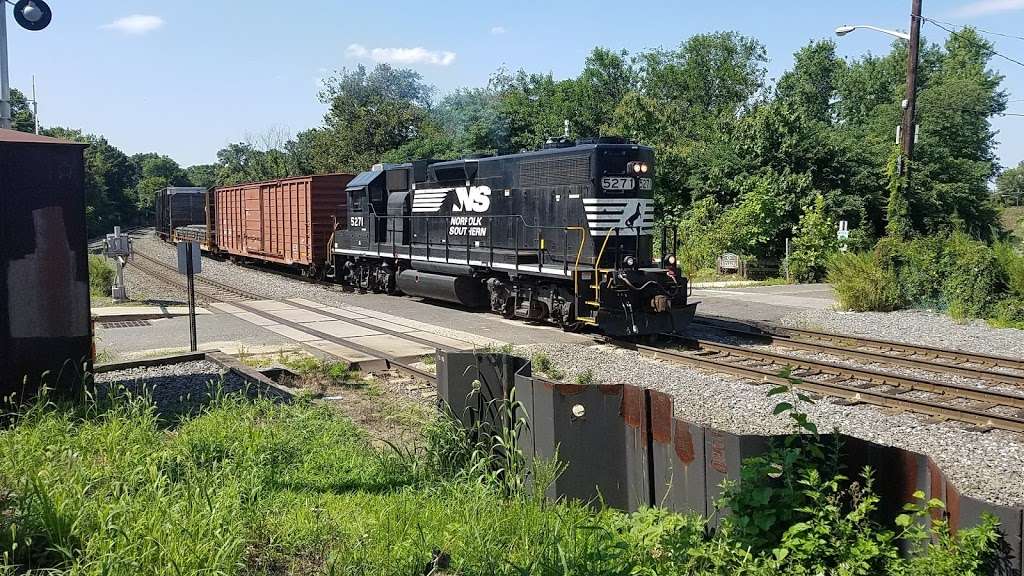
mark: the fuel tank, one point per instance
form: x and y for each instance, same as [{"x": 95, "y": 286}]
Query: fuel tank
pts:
[{"x": 464, "y": 290}]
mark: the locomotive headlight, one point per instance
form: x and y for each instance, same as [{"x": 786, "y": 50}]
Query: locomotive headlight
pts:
[
  {"x": 670, "y": 260},
  {"x": 638, "y": 168},
  {"x": 643, "y": 168},
  {"x": 629, "y": 261}
]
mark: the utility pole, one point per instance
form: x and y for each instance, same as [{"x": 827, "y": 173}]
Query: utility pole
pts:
[
  {"x": 908, "y": 128},
  {"x": 5, "y": 87},
  {"x": 35, "y": 104}
]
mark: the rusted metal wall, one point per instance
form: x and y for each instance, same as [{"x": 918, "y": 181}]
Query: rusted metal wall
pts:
[
  {"x": 624, "y": 446},
  {"x": 286, "y": 221},
  {"x": 44, "y": 273}
]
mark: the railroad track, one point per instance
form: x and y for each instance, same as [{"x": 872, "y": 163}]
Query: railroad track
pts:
[
  {"x": 981, "y": 407},
  {"x": 206, "y": 290},
  {"x": 984, "y": 367},
  {"x": 213, "y": 291}
]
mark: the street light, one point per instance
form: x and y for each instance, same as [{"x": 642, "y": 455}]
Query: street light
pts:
[{"x": 844, "y": 30}]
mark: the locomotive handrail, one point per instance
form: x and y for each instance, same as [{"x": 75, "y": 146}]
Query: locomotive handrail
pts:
[{"x": 517, "y": 219}]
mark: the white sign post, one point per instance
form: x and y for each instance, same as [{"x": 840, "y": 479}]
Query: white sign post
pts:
[{"x": 843, "y": 234}]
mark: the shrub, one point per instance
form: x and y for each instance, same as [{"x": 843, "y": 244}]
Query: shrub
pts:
[
  {"x": 918, "y": 267},
  {"x": 973, "y": 279},
  {"x": 101, "y": 275},
  {"x": 1011, "y": 262},
  {"x": 862, "y": 285},
  {"x": 543, "y": 364},
  {"x": 1008, "y": 313}
]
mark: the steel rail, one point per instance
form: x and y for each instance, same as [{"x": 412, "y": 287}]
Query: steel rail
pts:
[
  {"x": 168, "y": 273},
  {"x": 886, "y": 399},
  {"x": 210, "y": 288},
  {"x": 876, "y": 377},
  {"x": 785, "y": 337}
]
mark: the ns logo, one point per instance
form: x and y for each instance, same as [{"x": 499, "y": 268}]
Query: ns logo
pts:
[{"x": 472, "y": 199}]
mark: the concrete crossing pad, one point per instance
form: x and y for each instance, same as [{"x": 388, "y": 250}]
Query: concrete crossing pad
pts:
[
  {"x": 388, "y": 326},
  {"x": 256, "y": 319},
  {"x": 299, "y": 315},
  {"x": 225, "y": 307},
  {"x": 392, "y": 345},
  {"x": 341, "y": 329},
  {"x": 269, "y": 305},
  {"x": 292, "y": 333},
  {"x": 343, "y": 352}
]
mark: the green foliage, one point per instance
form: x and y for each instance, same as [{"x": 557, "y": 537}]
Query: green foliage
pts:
[
  {"x": 814, "y": 242},
  {"x": 22, "y": 118},
  {"x": 543, "y": 364},
  {"x": 259, "y": 487},
  {"x": 101, "y": 275},
  {"x": 1010, "y": 185},
  {"x": 862, "y": 285},
  {"x": 973, "y": 279},
  {"x": 897, "y": 217},
  {"x": 954, "y": 272},
  {"x": 370, "y": 113},
  {"x": 1011, "y": 262},
  {"x": 585, "y": 378}
]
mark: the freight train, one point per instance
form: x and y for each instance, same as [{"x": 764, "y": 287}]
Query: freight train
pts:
[{"x": 563, "y": 234}]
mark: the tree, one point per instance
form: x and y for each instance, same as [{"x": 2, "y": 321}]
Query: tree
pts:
[
  {"x": 810, "y": 87},
  {"x": 153, "y": 172},
  {"x": 814, "y": 242},
  {"x": 370, "y": 113},
  {"x": 531, "y": 107},
  {"x": 956, "y": 156},
  {"x": 1010, "y": 185},
  {"x": 202, "y": 175},
  {"x": 110, "y": 180},
  {"x": 686, "y": 102},
  {"x": 22, "y": 118},
  {"x": 606, "y": 78}
]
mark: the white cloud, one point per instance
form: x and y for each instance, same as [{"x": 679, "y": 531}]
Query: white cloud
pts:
[
  {"x": 417, "y": 55},
  {"x": 498, "y": 30},
  {"x": 135, "y": 24},
  {"x": 986, "y": 7}
]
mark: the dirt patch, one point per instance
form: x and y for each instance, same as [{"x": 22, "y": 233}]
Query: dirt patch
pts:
[{"x": 392, "y": 407}]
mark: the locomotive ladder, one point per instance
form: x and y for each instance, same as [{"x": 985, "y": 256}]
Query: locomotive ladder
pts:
[{"x": 591, "y": 305}]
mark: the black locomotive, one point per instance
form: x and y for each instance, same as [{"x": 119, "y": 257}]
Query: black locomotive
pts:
[{"x": 562, "y": 234}]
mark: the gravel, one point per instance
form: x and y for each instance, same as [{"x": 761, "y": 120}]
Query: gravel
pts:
[
  {"x": 915, "y": 327},
  {"x": 986, "y": 465},
  {"x": 175, "y": 388},
  {"x": 270, "y": 286}
]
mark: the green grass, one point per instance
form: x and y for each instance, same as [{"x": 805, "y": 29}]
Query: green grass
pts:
[
  {"x": 254, "y": 487},
  {"x": 101, "y": 275},
  {"x": 543, "y": 364}
]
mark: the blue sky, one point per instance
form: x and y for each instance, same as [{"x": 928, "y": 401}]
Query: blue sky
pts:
[{"x": 187, "y": 77}]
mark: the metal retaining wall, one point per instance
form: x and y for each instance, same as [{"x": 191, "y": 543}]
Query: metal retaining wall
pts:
[{"x": 623, "y": 445}]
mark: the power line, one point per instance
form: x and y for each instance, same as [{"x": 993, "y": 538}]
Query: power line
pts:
[
  {"x": 982, "y": 30},
  {"x": 987, "y": 49}
]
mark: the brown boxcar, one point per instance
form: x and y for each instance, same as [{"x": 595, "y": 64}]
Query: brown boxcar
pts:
[
  {"x": 286, "y": 221},
  {"x": 44, "y": 271}
]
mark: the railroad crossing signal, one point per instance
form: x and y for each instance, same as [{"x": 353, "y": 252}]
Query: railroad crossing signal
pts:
[{"x": 119, "y": 249}]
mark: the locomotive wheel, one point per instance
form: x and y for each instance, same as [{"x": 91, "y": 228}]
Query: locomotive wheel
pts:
[{"x": 571, "y": 327}]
